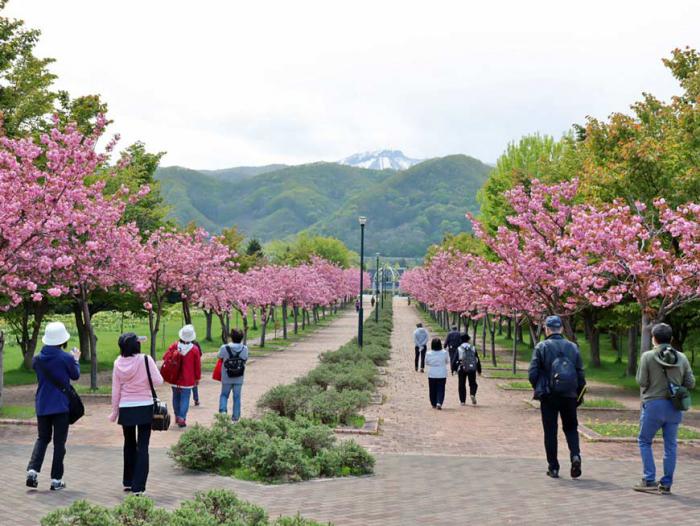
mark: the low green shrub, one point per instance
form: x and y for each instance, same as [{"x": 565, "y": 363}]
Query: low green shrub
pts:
[
  {"x": 289, "y": 400},
  {"x": 213, "y": 508},
  {"x": 348, "y": 458},
  {"x": 280, "y": 460},
  {"x": 337, "y": 407}
]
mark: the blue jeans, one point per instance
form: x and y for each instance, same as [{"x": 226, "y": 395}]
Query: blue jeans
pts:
[
  {"x": 223, "y": 399},
  {"x": 655, "y": 415},
  {"x": 181, "y": 401},
  {"x": 195, "y": 393}
]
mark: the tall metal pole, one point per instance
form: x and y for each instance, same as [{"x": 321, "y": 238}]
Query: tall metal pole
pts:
[
  {"x": 376, "y": 291},
  {"x": 383, "y": 283},
  {"x": 362, "y": 270}
]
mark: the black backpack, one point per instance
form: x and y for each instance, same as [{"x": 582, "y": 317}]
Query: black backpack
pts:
[
  {"x": 234, "y": 364},
  {"x": 469, "y": 360},
  {"x": 563, "y": 377}
]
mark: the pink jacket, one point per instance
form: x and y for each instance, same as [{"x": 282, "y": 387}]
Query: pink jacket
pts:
[{"x": 130, "y": 381}]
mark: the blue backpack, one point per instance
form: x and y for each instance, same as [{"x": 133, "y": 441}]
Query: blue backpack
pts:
[{"x": 563, "y": 378}]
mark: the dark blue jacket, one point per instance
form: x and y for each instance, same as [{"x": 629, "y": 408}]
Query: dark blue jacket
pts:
[
  {"x": 540, "y": 368},
  {"x": 453, "y": 340},
  {"x": 62, "y": 367}
]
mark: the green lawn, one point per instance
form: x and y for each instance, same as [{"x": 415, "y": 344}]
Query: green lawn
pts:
[
  {"x": 602, "y": 403},
  {"x": 85, "y": 389},
  {"x": 625, "y": 430},
  {"x": 109, "y": 325},
  {"x": 20, "y": 412},
  {"x": 505, "y": 375},
  {"x": 516, "y": 385}
]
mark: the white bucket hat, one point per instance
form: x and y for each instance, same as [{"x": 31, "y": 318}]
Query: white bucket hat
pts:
[
  {"x": 55, "y": 334},
  {"x": 187, "y": 334}
]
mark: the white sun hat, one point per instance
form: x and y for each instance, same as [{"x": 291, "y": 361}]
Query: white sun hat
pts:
[
  {"x": 187, "y": 334},
  {"x": 55, "y": 334}
]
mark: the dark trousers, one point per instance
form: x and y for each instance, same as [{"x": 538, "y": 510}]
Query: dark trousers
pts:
[
  {"x": 551, "y": 408},
  {"x": 453, "y": 354},
  {"x": 136, "y": 456},
  {"x": 436, "y": 390},
  {"x": 420, "y": 356},
  {"x": 56, "y": 425},
  {"x": 462, "y": 384},
  {"x": 195, "y": 394}
]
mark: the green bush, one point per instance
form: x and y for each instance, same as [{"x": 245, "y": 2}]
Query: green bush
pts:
[
  {"x": 347, "y": 458},
  {"x": 334, "y": 407},
  {"x": 280, "y": 459},
  {"x": 313, "y": 438},
  {"x": 226, "y": 508},
  {"x": 137, "y": 511},
  {"x": 288, "y": 400},
  {"x": 207, "y": 449},
  {"x": 80, "y": 513},
  {"x": 297, "y": 520}
]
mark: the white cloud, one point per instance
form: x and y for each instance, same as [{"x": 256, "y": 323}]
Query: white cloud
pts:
[{"x": 223, "y": 83}]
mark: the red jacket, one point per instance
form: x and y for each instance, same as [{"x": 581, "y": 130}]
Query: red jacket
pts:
[{"x": 191, "y": 368}]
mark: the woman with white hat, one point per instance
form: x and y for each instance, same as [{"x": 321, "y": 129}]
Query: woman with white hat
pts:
[
  {"x": 189, "y": 373},
  {"x": 52, "y": 366}
]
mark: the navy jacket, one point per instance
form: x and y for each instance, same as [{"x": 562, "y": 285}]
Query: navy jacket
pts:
[
  {"x": 62, "y": 367},
  {"x": 453, "y": 340},
  {"x": 541, "y": 365}
]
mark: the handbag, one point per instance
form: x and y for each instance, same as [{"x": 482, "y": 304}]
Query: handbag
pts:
[
  {"x": 161, "y": 417},
  {"x": 76, "y": 409},
  {"x": 216, "y": 375}
]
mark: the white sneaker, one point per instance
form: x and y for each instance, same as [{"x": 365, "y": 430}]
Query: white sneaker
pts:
[
  {"x": 474, "y": 399},
  {"x": 57, "y": 484}
]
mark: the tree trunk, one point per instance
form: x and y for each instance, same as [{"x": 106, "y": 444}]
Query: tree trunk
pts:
[
  {"x": 93, "y": 338},
  {"x": 632, "y": 340},
  {"x": 615, "y": 345},
  {"x": 30, "y": 331},
  {"x": 2, "y": 366},
  {"x": 519, "y": 332},
  {"x": 209, "y": 317},
  {"x": 83, "y": 336},
  {"x": 244, "y": 317},
  {"x": 500, "y": 325},
  {"x": 284, "y": 320},
  {"x": 303, "y": 319},
  {"x": 589, "y": 323},
  {"x": 186, "y": 314},
  {"x": 224, "y": 332},
  {"x": 296, "y": 319},
  {"x": 263, "y": 325},
  {"x": 509, "y": 329},
  {"x": 475, "y": 324},
  {"x": 492, "y": 332},
  {"x": 483, "y": 336},
  {"x": 515, "y": 340},
  {"x": 531, "y": 333},
  {"x": 255, "y": 321},
  {"x": 647, "y": 324}
]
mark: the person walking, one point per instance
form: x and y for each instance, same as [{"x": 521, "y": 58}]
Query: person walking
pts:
[
  {"x": 234, "y": 356},
  {"x": 437, "y": 360},
  {"x": 189, "y": 372},
  {"x": 420, "y": 341},
  {"x": 452, "y": 343},
  {"x": 52, "y": 366},
  {"x": 467, "y": 364},
  {"x": 195, "y": 389},
  {"x": 132, "y": 408},
  {"x": 662, "y": 370},
  {"x": 557, "y": 377}
]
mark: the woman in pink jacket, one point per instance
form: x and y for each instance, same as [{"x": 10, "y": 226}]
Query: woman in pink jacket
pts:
[{"x": 132, "y": 408}]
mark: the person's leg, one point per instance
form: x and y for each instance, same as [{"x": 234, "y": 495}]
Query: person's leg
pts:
[
  {"x": 462, "y": 386},
  {"x": 423, "y": 350},
  {"x": 237, "y": 391},
  {"x": 649, "y": 424},
  {"x": 452, "y": 359},
  {"x": 185, "y": 402},
  {"x": 129, "y": 455},
  {"x": 672, "y": 419},
  {"x": 473, "y": 386},
  {"x": 441, "y": 390},
  {"x": 141, "y": 464},
  {"x": 195, "y": 394},
  {"x": 44, "y": 429},
  {"x": 432, "y": 393},
  {"x": 550, "y": 414},
  {"x": 417, "y": 355},
  {"x": 176, "y": 402},
  {"x": 569, "y": 423},
  {"x": 60, "y": 436},
  {"x": 223, "y": 398}
]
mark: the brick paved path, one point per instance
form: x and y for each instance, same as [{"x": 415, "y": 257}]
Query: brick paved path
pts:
[{"x": 482, "y": 465}]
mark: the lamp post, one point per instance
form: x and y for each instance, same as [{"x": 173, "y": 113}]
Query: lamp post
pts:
[
  {"x": 383, "y": 283},
  {"x": 363, "y": 221},
  {"x": 376, "y": 291}
]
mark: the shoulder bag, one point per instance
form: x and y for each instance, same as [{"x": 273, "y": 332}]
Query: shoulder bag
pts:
[{"x": 161, "y": 417}]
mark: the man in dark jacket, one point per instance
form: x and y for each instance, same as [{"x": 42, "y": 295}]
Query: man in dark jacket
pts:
[
  {"x": 452, "y": 343},
  {"x": 556, "y": 375}
]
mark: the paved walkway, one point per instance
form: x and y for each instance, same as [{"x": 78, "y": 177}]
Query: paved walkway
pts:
[{"x": 482, "y": 465}]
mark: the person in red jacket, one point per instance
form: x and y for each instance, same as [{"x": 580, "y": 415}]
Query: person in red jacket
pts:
[{"x": 189, "y": 375}]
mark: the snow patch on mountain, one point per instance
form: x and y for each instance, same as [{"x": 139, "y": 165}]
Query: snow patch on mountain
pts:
[{"x": 380, "y": 160}]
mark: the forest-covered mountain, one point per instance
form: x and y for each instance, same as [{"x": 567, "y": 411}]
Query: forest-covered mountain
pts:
[{"x": 407, "y": 210}]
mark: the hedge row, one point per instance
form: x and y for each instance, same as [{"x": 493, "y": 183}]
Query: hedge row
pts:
[
  {"x": 273, "y": 449},
  {"x": 213, "y": 508},
  {"x": 336, "y": 390}
]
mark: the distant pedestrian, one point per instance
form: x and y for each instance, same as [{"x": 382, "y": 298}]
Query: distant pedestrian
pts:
[
  {"x": 195, "y": 389},
  {"x": 357, "y": 305},
  {"x": 437, "y": 360},
  {"x": 234, "y": 356},
  {"x": 420, "y": 342},
  {"x": 132, "y": 408},
  {"x": 52, "y": 366},
  {"x": 556, "y": 375},
  {"x": 452, "y": 342},
  {"x": 664, "y": 376},
  {"x": 373, "y": 301},
  {"x": 189, "y": 372},
  {"x": 467, "y": 364}
]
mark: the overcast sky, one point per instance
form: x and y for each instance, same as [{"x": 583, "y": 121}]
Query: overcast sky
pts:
[{"x": 226, "y": 83}]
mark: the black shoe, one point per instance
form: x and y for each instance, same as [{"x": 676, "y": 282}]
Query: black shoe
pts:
[
  {"x": 421, "y": 370},
  {"x": 57, "y": 485},
  {"x": 554, "y": 473},
  {"x": 196, "y": 402},
  {"x": 32, "y": 480},
  {"x": 127, "y": 489},
  {"x": 664, "y": 490},
  {"x": 439, "y": 407},
  {"x": 646, "y": 486},
  {"x": 576, "y": 467}
]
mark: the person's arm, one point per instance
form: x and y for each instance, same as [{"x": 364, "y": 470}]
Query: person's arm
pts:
[
  {"x": 116, "y": 395},
  {"x": 643, "y": 373},
  {"x": 155, "y": 373},
  {"x": 244, "y": 353},
  {"x": 580, "y": 373},
  {"x": 197, "y": 368},
  {"x": 73, "y": 367},
  {"x": 478, "y": 363},
  {"x": 533, "y": 371},
  {"x": 688, "y": 377}
]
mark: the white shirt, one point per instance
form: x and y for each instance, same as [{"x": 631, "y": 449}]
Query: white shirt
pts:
[{"x": 437, "y": 362}]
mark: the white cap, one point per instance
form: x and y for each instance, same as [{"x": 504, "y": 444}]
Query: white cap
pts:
[
  {"x": 55, "y": 334},
  {"x": 187, "y": 334}
]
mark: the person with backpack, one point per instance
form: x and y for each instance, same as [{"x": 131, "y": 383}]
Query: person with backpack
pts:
[
  {"x": 182, "y": 368},
  {"x": 452, "y": 343},
  {"x": 437, "y": 360},
  {"x": 420, "y": 340},
  {"x": 467, "y": 364},
  {"x": 557, "y": 377},
  {"x": 54, "y": 367},
  {"x": 234, "y": 356},
  {"x": 664, "y": 377},
  {"x": 132, "y": 408}
]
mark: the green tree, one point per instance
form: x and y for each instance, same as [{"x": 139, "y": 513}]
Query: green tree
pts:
[{"x": 300, "y": 249}]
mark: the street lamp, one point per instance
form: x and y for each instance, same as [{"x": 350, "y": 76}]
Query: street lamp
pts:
[
  {"x": 376, "y": 291},
  {"x": 363, "y": 221}
]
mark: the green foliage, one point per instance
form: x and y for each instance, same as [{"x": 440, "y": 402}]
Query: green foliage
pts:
[
  {"x": 289, "y": 400},
  {"x": 302, "y": 247},
  {"x": 348, "y": 454},
  {"x": 338, "y": 407},
  {"x": 212, "y": 508},
  {"x": 280, "y": 460}
]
